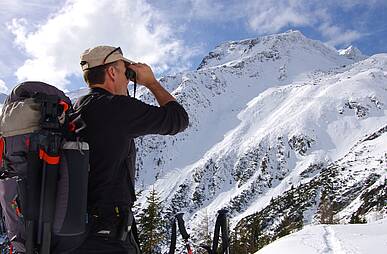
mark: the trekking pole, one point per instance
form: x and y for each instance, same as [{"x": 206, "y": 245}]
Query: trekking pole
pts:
[
  {"x": 221, "y": 224},
  {"x": 172, "y": 246},
  {"x": 50, "y": 157},
  {"x": 183, "y": 232},
  {"x": 32, "y": 193},
  {"x": 225, "y": 232}
]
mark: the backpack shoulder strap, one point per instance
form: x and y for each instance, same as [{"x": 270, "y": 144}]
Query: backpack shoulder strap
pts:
[{"x": 82, "y": 104}]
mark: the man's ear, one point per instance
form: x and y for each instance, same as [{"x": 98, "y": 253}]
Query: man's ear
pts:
[{"x": 111, "y": 72}]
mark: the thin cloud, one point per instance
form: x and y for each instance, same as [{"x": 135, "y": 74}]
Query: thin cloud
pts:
[
  {"x": 267, "y": 16},
  {"x": 54, "y": 47},
  {"x": 3, "y": 87},
  {"x": 273, "y": 19},
  {"x": 11, "y": 8},
  {"x": 346, "y": 38},
  {"x": 349, "y": 4},
  {"x": 204, "y": 9},
  {"x": 338, "y": 35}
]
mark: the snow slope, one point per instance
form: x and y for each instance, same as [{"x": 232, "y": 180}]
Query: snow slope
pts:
[
  {"x": 321, "y": 113},
  {"x": 333, "y": 239},
  {"x": 222, "y": 87}
]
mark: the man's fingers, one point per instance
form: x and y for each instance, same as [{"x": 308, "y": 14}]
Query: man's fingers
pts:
[
  {"x": 144, "y": 73},
  {"x": 138, "y": 66}
]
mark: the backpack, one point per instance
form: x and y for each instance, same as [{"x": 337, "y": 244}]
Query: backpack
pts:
[{"x": 44, "y": 170}]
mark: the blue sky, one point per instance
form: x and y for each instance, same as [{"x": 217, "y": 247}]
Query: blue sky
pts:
[{"x": 42, "y": 39}]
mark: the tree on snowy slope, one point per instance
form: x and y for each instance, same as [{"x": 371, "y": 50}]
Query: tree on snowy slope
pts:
[
  {"x": 326, "y": 209},
  {"x": 151, "y": 224},
  {"x": 248, "y": 238},
  {"x": 373, "y": 200},
  {"x": 203, "y": 232}
]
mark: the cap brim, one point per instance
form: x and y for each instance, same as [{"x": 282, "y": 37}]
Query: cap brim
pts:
[{"x": 98, "y": 62}]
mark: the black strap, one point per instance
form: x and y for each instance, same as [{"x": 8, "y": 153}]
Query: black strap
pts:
[
  {"x": 134, "y": 88},
  {"x": 172, "y": 246},
  {"x": 131, "y": 75},
  {"x": 135, "y": 234}
]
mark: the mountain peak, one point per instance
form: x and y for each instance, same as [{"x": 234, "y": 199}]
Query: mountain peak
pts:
[
  {"x": 294, "y": 33},
  {"x": 352, "y": 53},
  {"x": 287, "y": 43}
]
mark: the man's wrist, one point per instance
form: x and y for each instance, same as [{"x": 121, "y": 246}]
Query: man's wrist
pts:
[{"x": 153, "y": 84}]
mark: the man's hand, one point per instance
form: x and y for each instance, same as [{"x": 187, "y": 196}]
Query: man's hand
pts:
[
  {"x": 145, "y": 77},
  {"x": 144, "y": 74}
]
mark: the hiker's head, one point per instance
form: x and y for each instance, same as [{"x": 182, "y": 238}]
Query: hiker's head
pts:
[{"x": 104, "y": 64}]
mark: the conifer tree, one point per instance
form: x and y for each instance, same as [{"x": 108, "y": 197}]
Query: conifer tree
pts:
[
  {"x": 151, "y": 224},
  {"x": 203, "y": 231},
  {"x": 326, "y": 209}
]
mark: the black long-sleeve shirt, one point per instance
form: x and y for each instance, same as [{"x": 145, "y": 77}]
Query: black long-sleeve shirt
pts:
[{"x": 112, "y": 122}]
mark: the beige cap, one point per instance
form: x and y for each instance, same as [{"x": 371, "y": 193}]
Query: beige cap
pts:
[{"x": 101, "y": 55}]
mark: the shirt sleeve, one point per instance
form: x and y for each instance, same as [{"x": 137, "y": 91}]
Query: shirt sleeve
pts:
[{"x": 138, "y": 118}]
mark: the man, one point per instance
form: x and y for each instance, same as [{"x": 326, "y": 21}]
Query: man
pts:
[{"x": 112, "y": 119}]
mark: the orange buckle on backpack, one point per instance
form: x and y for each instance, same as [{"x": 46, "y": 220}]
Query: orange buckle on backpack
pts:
[
  {"x": 52, "y": 160},
  {"x": 65, "y": 105}
]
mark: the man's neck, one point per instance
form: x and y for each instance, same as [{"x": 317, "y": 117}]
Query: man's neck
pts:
[{"x": 112, "y": 89}]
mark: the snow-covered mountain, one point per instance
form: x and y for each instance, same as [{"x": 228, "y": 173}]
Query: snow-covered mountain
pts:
[
  {"x": 271, "y": 118},
  {"x": 352, "y": 53}
]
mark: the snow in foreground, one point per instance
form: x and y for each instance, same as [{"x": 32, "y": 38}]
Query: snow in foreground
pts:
[{"x": 333, "y": 239}]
